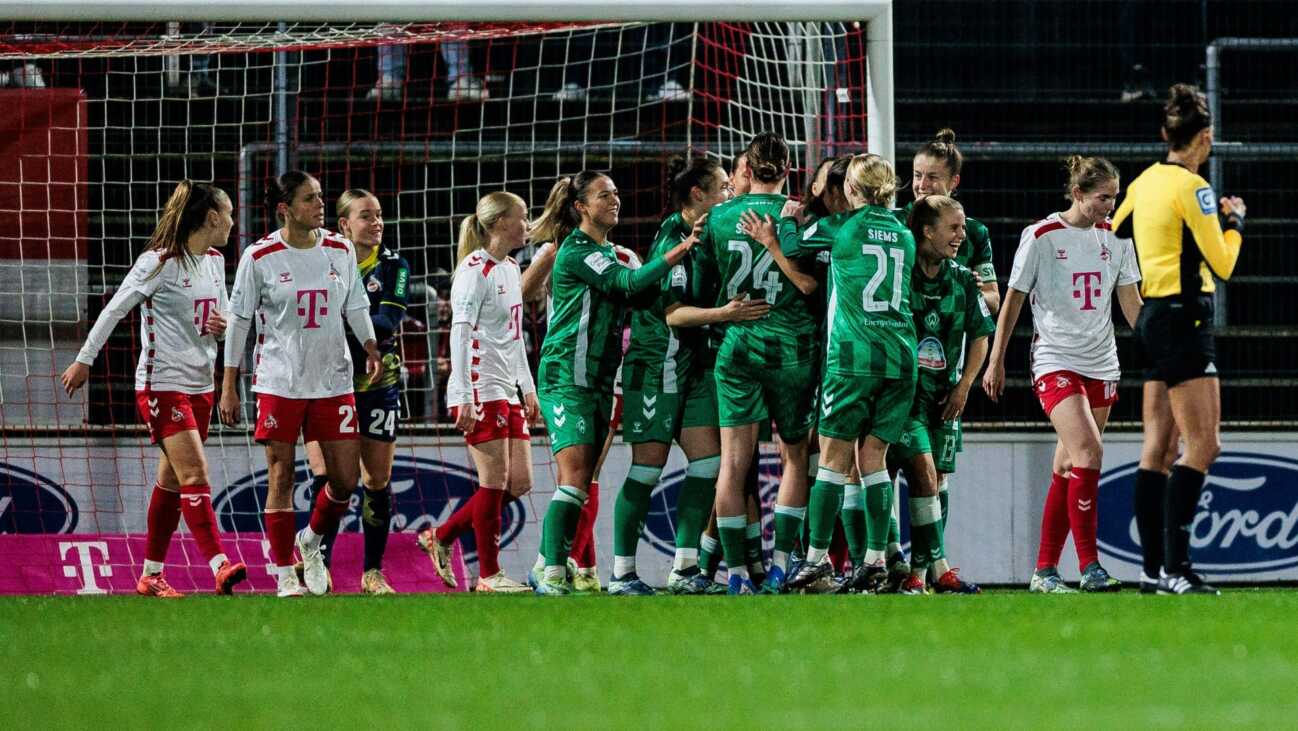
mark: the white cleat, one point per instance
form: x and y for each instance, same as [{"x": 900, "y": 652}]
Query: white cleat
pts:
[
  {"x": 314, "y": 572},
  {"x": 501, "y": 584},
  {"x": 289, "y": 586}
]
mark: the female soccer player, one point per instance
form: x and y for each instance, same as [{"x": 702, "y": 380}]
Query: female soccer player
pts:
[
  {"x": 579, "y": 356},
  {"x": 488, "y": 369},
  {"x": 180, "y": 280},
  {"x": 300, "y": 282},
  {"x": 669, "y": 389},
  {"x": 385, "y": 275},
  {"x": 1173, "y": 216},
  {"x": 952, "y": 323},
  {"x": 869, "y": 377},
  {"x": 1071, "y": 266}
]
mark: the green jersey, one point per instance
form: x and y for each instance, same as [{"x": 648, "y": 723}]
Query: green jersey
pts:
[
  {"x": 946, "y": 309},
  {"x": 785, "y": 337},
  {"x": 589, "y": 292},
  {"x": 660, "y": 356},
  {"x": 976, "y": 251},
  {"x": 870, "y": 328}
]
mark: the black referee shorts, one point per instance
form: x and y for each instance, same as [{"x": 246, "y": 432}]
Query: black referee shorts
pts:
[{"x": 1174, "y": 336}]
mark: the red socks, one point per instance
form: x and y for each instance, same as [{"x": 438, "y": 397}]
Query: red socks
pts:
[
  {"x": 280, "y": 533},
  {"x": 1054, "y": 523},
  {"x": 583, "y": 544},
  {"x": 327, "y": 512},
  {"x": 196, "y": 505},
  {"x": 163, "y": 517},
  {"x": 487, "y": 503},
  {"x": 459, "y": 522},
  {"x": 1082, "y": 489}
]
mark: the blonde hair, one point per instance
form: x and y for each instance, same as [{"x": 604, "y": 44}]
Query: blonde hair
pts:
[
  {"x": 474, "y": 230},
  {"x": 928, "y": 211},
  {"x": 872, "y": 178},
  {"x": 350, "y": 196},
  {"x": 1087, "y": 174},
  {"x": 184, "y": 213}
]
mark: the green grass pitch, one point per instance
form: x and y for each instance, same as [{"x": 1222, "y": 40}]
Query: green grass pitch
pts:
[{"x": 1001, "y": 660}]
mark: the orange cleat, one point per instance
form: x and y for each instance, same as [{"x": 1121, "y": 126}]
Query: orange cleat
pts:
[
  {"x": 155, "y": 585},
  {"x": 228, "y": 575}
]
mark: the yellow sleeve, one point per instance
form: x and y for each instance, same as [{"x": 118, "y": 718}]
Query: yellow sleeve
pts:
[
  {"x": 1123, "y": 216},
  {"x": 1198, "y": 205}
]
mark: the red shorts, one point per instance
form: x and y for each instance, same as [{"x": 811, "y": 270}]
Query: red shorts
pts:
[
  {"x": 496, "y": 420},
  {"x": 172, "y": 412},
  {"x": 281, "y": 419},
  {"x": 1059, "y": 385}
]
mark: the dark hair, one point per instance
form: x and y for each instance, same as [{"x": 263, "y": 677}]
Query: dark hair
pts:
[
  {"x": 184, "y": 213},
  {"x": 282, "y": 189},
  {"x": 560, "y": 216},
  {"x": 1087, "y": 173},
  {"x": 768, "y": 157},
  {"x": 835, "y": 180},
  {"x": 927, "y": 211},
  {"x": 684, "y": 173},
  {"x": 942, "y": 147},
  {"x": 734, "y": 162},
  {"x": 1184, "y": 115}
]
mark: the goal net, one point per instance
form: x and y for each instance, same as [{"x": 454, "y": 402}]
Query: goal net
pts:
[{"x": 98, "y": 122}]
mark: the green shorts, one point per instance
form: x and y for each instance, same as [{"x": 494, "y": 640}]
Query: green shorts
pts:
[
  {"x": 942, "y": 439},
  {"x": 652, "y": 416},
  {"x": 855, "y": 406},
  {"x": 752, "y": 395},
  {"x": 575, "y": 416}
]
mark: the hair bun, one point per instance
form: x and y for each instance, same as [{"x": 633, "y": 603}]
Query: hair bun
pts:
[
  {"x": 676, "y": 165},
  {"x": 946, "y": 136}
]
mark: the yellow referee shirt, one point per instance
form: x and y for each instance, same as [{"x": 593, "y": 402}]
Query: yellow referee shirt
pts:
[{"x": 1171, "y": 213}]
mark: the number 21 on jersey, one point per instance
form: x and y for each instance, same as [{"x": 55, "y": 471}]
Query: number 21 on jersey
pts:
[{"x": 869, "y": 298}]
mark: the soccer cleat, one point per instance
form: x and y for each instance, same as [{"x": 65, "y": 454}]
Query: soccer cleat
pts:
[
  {"x": 440, "y": 555},
  {"x": 1096, "y": 579},
  {"x": 629, "y": 585},
  {"x": 912, "y": 586},
  {"x": 951, "y": 583},
  {"x": 228, "y": 575},
  {"x": 898, "y": 570},
  {"x": 870, "y": 578},
  {"x": 774, "y": 582},
  {"x": 812, "y": 574},
  {"x": 155, "y": 585},
  {"x": 586, "y": 581},
  {"x": 301, "y": 575},
  {"x": 1187, "y": 582},
  {"x": 501, "y": 584},
  {"x": 314, "y": 573},
  {"x": 289, "y": 587},
  {"x": 1048, "y": 581},
  {"x": 740, "y": 585},
  {"x": 552, "y": 587},
  {"x": 716, "y": 588},
  {"x": 689, "y": 581},
  {"x": 374, "y": 582},
  {"x": 1148, "y": 585}
]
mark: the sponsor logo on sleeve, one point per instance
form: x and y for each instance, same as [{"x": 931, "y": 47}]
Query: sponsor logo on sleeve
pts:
[
  {"x": 598, "y": 262},
  {"x": 1207, "y": 201}
]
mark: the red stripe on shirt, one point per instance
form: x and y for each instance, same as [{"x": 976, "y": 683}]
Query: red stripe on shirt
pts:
[
  {"x": 279, "y": 246},
  {"x": 1043, "y": 230}
]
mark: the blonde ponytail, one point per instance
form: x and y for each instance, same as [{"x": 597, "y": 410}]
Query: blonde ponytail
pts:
[{"x": 474, "y": 230}]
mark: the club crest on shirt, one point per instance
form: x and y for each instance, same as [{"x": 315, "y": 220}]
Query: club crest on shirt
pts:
[
  {"x": 1104, "y": 253},
  {"x": 933, "y": 321},
  {"x": 373, "y": 284},
  {"x": 285, "y": 277}
]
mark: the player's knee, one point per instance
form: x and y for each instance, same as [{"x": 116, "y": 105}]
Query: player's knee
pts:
[
  {"x": 1088, "y": 456},
  {"x": 519, "y": 488}
]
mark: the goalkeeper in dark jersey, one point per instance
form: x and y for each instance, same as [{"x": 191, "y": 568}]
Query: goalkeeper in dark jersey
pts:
[
  {"x": 591, "y": 290},
  {"x": 385, "y": 276},
  {"x": 952, "y": 323}
]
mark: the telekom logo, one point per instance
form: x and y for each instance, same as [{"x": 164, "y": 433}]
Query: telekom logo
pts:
[
  {"x": 1088, "y": 290},
  {"x": 314, "y": 298},
  {"x": 203, "y": 307}
]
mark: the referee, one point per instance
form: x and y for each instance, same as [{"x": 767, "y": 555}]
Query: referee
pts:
[{"x": 1183, "y": 236}]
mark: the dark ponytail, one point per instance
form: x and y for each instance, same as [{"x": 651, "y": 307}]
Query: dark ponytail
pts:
[
  {"x": 281, "y": 190},
  {"x": 768, "y": 157},
  {"x": 685, "y": 173},
  {"x": 184, "y": 213},
  {"x": 1184, "y": 115}
]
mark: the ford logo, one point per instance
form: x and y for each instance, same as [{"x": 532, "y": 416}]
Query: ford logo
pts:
[
  {"x": 29, "y": 503},
  {"x": 1247, "y": 521},
  {"x": 660, "y": 525},
  {"x": 425, "y": 493}
]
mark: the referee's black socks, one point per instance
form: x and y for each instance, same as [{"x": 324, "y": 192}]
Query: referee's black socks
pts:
[
  {"x": 1148, "y": 505},
  {"x": 1179, "y": 507}
]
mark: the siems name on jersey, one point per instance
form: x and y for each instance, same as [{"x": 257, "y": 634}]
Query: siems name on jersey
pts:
[{"x": 877, "y": 235}]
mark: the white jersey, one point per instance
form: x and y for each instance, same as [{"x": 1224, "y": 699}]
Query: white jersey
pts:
[
  {"x": 1070, "y": 274},
  {"x": 298, "y": 298},
  {"x": 487, "y": 298},
  {"x": 176, "y": 351}
]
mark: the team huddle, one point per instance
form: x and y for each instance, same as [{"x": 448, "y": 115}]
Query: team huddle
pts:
[{"x": 848, "y": 330}]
